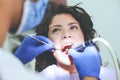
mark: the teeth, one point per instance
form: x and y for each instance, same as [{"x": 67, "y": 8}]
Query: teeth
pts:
[
  {"x": 66, "y": 51},
  {"x": 66, "y": 48}
]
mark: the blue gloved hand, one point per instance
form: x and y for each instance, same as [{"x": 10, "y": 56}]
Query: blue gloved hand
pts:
[
  {"x": 31, "y": 48},
  {"x": 87, "y": 62}
]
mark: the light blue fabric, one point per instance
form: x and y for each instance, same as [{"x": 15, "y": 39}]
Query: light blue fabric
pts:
[
  {"x": 36, "y": 14},
  {"x": 33, "y": 14}
]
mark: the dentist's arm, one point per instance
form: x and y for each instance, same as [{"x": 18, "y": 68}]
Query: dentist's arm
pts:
[
  {"x": 31, "y": 48},
  {"x": 87, "y": 63},
  {"x": 9, "y": 17}
]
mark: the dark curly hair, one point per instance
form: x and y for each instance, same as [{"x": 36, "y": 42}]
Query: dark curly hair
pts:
[{"x": 84, "y": 20}]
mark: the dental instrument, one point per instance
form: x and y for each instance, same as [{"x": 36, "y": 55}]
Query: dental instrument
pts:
[
  {"x": 37, "y": 39},
  {"x": 51, "y": 50},
  {"x": 82, "y": 46}
]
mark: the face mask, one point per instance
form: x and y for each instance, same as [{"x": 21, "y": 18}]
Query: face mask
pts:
[{"x": 33, "y": 14}]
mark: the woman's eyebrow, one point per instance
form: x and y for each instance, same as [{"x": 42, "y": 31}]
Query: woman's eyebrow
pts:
[
  {"x": 73, "y": 23},
  {"x": 57, "y": 25}
]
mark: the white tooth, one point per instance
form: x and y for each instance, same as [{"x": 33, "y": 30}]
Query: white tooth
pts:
[{"x": 66, "y": 49}]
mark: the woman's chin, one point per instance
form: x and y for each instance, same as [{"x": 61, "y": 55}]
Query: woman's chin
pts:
[
  {"x": 63, "y": 58},
  {"x": 66, "y": 62}
]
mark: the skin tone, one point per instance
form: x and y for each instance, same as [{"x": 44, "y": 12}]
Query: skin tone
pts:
[
  {"x": 10, "y": 16},
  {"x": 68, "y": 31},
  {"x": 65, "y": 31}
]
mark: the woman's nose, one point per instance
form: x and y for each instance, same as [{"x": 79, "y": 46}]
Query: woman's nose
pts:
[{"x": 66, "y": 35}]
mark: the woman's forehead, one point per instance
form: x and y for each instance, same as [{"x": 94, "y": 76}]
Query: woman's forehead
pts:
[{"x": 63, "y": 18}]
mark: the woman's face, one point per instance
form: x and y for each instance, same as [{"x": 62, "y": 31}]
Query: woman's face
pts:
[{"x": 64, "y": 31}]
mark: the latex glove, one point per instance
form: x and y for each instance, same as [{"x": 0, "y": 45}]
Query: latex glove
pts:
[
  {"x": 87, "y": 62},
  {"x": 31, "y": 48}
]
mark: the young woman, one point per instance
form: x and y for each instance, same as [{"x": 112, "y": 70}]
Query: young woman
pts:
[{"x": 64, "y": 28}]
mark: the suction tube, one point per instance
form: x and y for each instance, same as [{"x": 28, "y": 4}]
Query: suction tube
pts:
[{"x": 82, "y": 46}]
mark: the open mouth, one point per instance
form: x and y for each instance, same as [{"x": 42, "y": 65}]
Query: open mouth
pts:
[{"x": 66, "y": 48}]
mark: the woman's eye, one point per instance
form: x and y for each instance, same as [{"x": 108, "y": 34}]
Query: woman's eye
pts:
[
  {"x": 73, "y": 27},
  {"x": 55, "y": 30}
]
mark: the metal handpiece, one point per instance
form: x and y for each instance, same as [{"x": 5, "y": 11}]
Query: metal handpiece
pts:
[
  {"x": 37, "y": 39},
  {"x": 82, "y": 46},
  {"x": 51, "y": 50}
]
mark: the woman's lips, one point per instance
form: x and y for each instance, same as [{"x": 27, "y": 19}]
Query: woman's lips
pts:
[{"x": 66, "y": 47}]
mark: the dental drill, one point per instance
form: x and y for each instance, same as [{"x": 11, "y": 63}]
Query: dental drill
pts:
[{"x": 82, "y": 46}]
